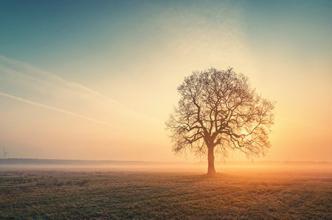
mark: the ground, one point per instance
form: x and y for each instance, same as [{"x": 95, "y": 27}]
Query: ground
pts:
[{"x": 43, "y": 194}]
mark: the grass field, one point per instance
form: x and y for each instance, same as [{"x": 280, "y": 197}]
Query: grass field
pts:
[{"x": 56, "y": 194}]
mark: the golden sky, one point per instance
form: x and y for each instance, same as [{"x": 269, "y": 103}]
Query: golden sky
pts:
[{"x": 99, "y": 82}]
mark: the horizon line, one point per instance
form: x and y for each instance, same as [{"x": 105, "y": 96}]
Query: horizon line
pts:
[{"x": 149, "y": 161}]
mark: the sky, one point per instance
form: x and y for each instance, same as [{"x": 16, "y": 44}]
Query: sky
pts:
[{"x": 97, "y": 79}]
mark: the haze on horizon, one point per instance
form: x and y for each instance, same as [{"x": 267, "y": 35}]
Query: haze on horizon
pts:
[{"x": 80, "y": 80}]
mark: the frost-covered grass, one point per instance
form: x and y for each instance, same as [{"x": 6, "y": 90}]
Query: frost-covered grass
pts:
[{"x": 147, "y": 195}]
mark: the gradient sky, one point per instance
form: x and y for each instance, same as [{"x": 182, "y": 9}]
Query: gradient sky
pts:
[{"x": 98, "y": 79}]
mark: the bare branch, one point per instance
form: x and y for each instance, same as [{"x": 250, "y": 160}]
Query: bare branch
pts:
[{"x": 219, "y": 109}]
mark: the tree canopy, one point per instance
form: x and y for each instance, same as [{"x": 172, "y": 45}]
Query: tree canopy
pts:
[{"x": 219, "y": 109}]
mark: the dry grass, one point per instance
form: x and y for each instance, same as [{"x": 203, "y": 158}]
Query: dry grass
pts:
[{"x": 143, "y": 195}]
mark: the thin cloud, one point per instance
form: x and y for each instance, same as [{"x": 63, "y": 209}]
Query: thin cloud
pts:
[
  {"x": 31, "y": 69},
  {"x": 27, "y": 101},
  {"x": 65, "y": 92}
]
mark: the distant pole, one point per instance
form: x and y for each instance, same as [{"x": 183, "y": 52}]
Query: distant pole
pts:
[{"x": 4, "y": 152}]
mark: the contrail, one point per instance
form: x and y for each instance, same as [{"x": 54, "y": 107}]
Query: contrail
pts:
[
  {"x": 56, "y": 77},
  {"x": 27, "y": 101},
  {"x": 69, "y": 84}
]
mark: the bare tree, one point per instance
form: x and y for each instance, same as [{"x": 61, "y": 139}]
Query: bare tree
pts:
[{"x": 218, "y": 109}]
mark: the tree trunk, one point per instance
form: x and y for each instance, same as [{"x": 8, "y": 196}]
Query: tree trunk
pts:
[{"x": 211, "y": 169}]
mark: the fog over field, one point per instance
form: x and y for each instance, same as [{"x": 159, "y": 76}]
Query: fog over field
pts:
[
  {"x": 150, "y": 166},
  {"x": 136, "y": 190}
]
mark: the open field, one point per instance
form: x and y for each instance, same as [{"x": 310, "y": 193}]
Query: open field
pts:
[{"x": 107, "y": 194}]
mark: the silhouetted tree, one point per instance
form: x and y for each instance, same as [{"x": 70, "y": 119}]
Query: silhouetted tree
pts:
[{"x": 218, "y": 109}]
